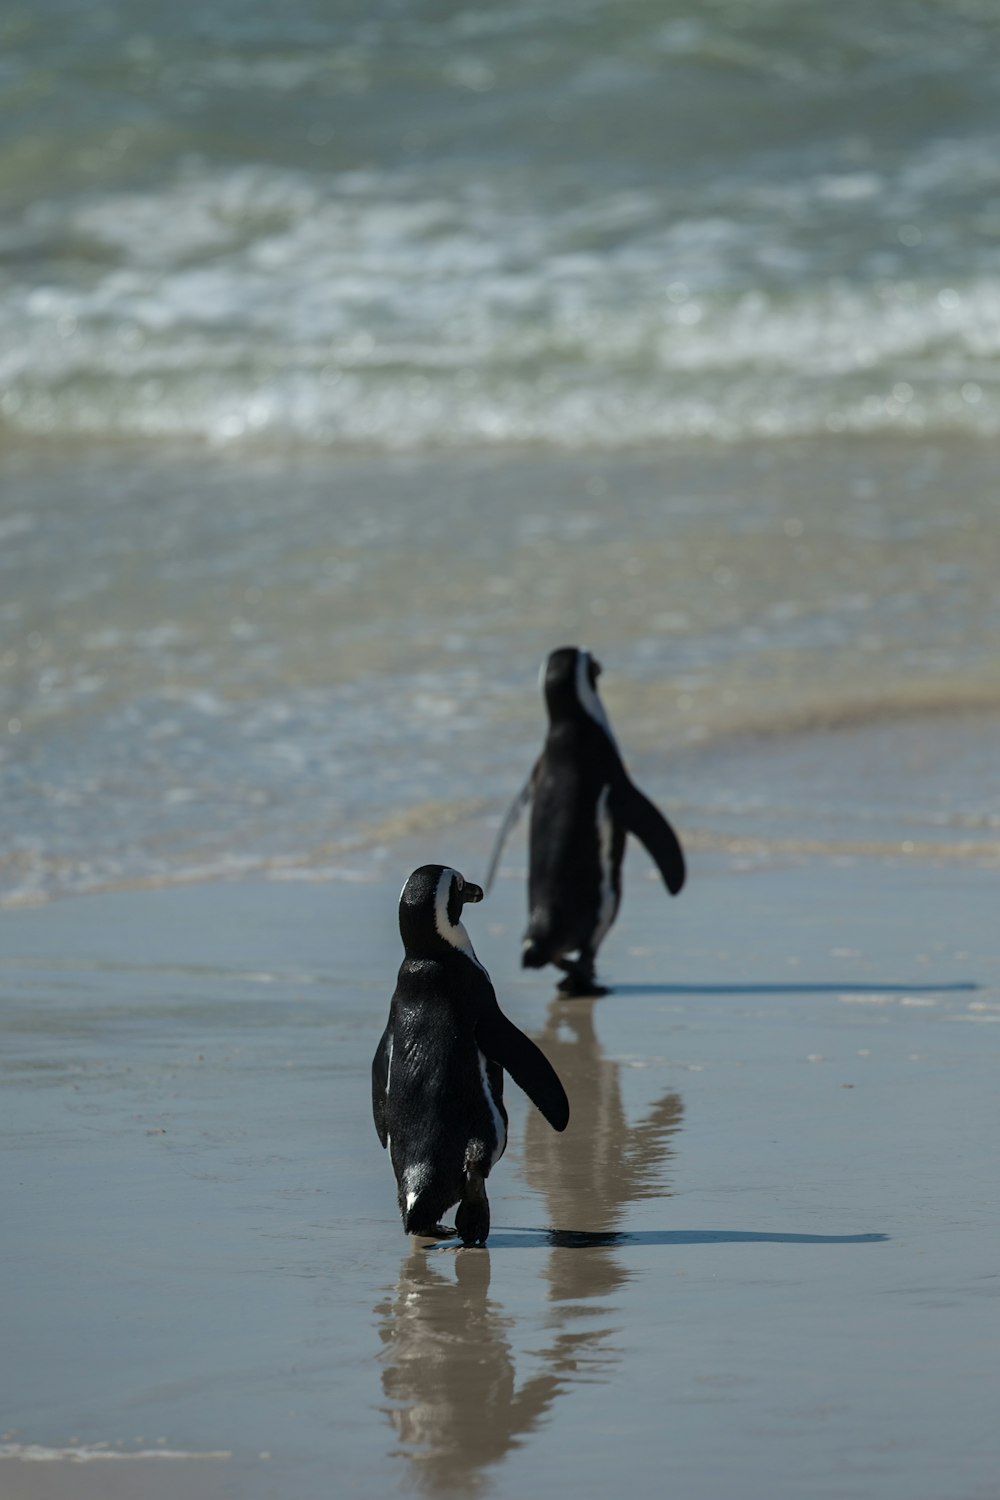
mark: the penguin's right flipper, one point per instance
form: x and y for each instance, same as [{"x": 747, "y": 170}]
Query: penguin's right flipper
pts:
[
  {"x": 380, "y": 1085},
  {"x": 508, "y": 825},
  {"x": 652, "y": 829},
  {"x": 506, "y": 1044}
]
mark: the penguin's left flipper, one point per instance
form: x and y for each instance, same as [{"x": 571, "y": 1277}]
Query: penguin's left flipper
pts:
[
  {"x": 380, "y": 1080},
  {"x": 506, "y": 1044},
  {"x": 508, "y": 825},
  {"x": 651, "y": 828}
]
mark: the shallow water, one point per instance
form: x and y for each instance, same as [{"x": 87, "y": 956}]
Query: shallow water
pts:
[
  {"x": 220, "y": 665},
  {"x": 761, "y": 1259}
]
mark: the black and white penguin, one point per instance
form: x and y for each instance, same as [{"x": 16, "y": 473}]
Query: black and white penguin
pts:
[
  {"x": 437, "y": 1076},
  {"x": 582, "y": 806}
]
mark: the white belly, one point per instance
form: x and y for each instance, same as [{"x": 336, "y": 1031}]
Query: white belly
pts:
[{"x": 606, "y": 889}]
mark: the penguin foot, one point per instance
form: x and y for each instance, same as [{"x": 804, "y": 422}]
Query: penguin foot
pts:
[
  {"x": 472, "y": 1217},
  {"x": 435, "y": 1232},
  {"x": 472, "y": 1222},
  {"x": 578, "y": 986}
]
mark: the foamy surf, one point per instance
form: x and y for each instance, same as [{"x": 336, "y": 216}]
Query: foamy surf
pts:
[
  {"x": 264, "y": 307},
  {"x": 86, "y": 1453}
]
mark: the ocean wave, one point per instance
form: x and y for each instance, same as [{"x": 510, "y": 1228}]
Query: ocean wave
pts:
[{"x": 267, "y": 306}]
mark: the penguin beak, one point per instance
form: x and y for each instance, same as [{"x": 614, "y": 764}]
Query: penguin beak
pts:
[{"x": 471, "y": 892}]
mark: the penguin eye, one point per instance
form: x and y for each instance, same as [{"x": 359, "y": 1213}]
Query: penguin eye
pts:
[{"x": 459, "y": 881}]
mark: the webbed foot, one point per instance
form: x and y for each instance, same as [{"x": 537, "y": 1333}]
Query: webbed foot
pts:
[
  {"x": 435, "y": 1232},
  {"x": 472, "y": 1217},
  {"x": 579, "y": 984}
]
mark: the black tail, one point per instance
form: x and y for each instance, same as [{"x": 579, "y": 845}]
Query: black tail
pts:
[{"x": 423, "y": 1204}]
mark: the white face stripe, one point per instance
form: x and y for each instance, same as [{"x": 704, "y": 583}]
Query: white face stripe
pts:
[
  {"x": 586, "y": 697},
  {"x": 453, "y": 932}
]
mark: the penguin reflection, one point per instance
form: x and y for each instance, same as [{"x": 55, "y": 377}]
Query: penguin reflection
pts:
[
  {"x": 448, "y": 1364},
  {"x": 603, "y": 1163},
  {"x": 449, "y": 1372}
]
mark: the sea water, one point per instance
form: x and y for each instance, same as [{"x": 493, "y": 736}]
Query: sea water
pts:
[{"x": 353, "y": 357}]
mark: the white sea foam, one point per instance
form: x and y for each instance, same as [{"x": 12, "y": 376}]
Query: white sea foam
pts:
[
  {"x": 82, "y": 1453},
  {"x": 274, "y": 304}
]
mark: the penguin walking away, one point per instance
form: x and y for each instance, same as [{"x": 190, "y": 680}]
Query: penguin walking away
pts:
[
  {"x": 437, "y": 1075},
  {"x": 582, "y": 806}
]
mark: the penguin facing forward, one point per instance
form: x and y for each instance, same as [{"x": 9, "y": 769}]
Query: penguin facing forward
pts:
[
  {"x": 583, "y": 804},
  {"x": 437, "y": 1075}
]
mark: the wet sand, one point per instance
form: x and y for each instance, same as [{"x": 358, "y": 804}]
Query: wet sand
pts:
[{"x": 761, "y": 1261}]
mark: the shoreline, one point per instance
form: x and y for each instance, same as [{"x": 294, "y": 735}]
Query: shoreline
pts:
[
  {"x": 893, "y": 820},
  {"x": 327, "y": 655}
]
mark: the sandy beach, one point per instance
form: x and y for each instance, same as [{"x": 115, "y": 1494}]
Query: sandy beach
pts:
[{"x": 761, "y": 1261}]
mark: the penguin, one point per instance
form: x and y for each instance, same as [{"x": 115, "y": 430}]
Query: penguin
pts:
[
  {"x": 583, "y": 804},
  {"x": 437, "y": 1074}
]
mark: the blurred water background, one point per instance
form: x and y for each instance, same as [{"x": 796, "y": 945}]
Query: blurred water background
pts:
[{"x": 354, "y": 355}]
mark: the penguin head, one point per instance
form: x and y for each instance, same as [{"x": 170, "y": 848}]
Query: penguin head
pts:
[
  {"x": 430, "y": 912},
  {"x": 569, "y": 682}
]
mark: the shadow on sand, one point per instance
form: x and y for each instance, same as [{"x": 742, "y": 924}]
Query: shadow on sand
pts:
[
  {"x": 517, "y": 1238},
  {"x": 792, "y": 987}
]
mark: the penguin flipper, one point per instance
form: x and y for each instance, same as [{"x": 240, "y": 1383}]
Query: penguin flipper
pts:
[
  {"x": 507, "y": 827},
  {"x": 504, "y": 1043},
  {"x": 651, "y": 828},
  {"x": 380, "y": 1085}
]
